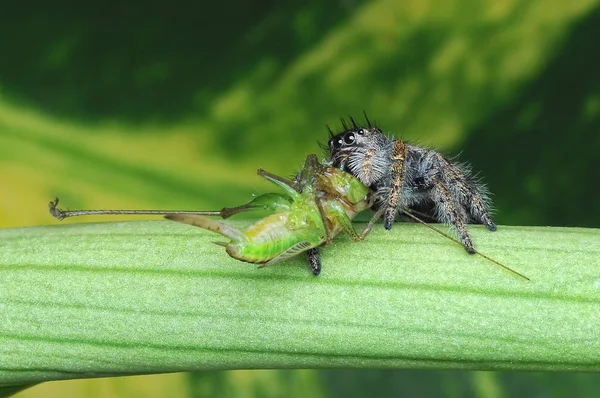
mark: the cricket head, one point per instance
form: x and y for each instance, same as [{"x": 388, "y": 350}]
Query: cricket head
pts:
[
  {"x": 331, "y": 182},
  {"x": 338, "y": 187},
  {"x": 357, "y": 150}
]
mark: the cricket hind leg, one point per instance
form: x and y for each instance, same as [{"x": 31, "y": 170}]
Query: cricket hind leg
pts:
[{"x": 229, "y": 231}]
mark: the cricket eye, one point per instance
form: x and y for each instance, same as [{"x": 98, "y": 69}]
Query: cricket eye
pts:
[{"x": 349, "y": 139}]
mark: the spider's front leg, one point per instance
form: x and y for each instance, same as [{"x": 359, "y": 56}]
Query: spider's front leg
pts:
[{"x": 398, "y": 171}]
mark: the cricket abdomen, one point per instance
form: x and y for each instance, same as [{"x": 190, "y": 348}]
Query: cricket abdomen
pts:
[{"x": 270, "y": 237}]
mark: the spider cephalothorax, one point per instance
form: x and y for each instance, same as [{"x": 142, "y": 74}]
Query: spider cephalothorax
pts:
[{"x": 407, "y": 176}]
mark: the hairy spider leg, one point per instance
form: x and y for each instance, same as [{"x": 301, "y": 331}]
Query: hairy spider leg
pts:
[
  {"x": 449, "y": 214},
  {"x": 479, "y": 212},
  {"x": 465, "y": 191},
  {"x": 397, "y": 174}
]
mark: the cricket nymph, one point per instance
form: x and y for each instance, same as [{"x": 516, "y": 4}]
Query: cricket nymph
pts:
[
  {"x": 319, "y": 204},
  {"x": 407, "y": 176}
]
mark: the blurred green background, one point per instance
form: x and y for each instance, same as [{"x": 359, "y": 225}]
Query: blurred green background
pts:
[{"x": 147, "y": 105}]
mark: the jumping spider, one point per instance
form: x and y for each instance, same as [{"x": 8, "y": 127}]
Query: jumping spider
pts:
[{"x": 407, "y": 176}]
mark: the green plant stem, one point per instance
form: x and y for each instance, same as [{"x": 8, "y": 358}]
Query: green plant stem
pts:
[{"x": 87, "y": 300}]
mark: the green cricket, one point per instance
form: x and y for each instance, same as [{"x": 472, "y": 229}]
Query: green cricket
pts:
[{"x": 317, "y": 205}]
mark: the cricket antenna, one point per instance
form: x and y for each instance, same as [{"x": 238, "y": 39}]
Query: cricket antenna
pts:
[
  {"x": 410, "y": 215},
  {"x": 60, "y": 214}
]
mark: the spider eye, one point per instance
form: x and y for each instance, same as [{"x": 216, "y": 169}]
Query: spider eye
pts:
[
  {"x": 336, "y": 143},
  {"x": 349, "y": 139},
  {"x": 361, "y": 132}
]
